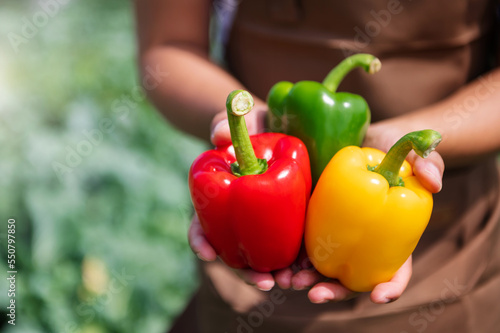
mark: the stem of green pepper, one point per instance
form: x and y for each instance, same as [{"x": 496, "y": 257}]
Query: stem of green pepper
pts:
[
  {"x": 238, "y": 104},
  {"x": 423, "y": 142},
  {"x": 368, "y": 62}
]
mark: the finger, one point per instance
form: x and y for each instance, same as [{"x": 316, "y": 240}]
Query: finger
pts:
[
  {"x": 429, "y": 171},
  {"x": 329, "y": 291},
  {"x": 198, "y": 242},
  {"x": 262, "y": 281},
  {"x": 306, "y": 278},
  {"x": 283, "y": 277},
  {"x": 390, "y": 291},
  {"x": 220, "y": 134}
]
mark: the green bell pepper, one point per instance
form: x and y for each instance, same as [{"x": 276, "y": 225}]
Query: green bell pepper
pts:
[{"x": 325, "y": 120}]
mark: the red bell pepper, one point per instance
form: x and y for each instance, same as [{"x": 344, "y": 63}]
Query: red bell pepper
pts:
[{"x": 251, "y": 196}]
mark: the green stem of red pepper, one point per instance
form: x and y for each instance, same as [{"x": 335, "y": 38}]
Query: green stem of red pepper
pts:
[
  {"x": 238, "y": 104},
  {"x": 423, "y": 142},
  {"x": 368, "y": 62}
]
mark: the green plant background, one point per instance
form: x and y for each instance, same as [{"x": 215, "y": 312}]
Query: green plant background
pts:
[{"x": 101, "y": 211}]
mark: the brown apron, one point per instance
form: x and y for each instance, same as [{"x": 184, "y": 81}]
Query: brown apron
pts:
[{"x": 429, "y": 49}]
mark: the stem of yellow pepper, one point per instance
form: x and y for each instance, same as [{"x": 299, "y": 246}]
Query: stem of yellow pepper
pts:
[
  {"x": 368, "y": 62},
  {"x": 423, "y": 142},
  {"x": 238, "y": 104}
]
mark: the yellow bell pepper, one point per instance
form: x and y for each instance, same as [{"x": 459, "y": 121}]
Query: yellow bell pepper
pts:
[{"x": 368, "y": 212}]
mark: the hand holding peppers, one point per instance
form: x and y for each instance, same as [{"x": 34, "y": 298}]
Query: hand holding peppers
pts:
[
  {"x": 370, "y": 210},
  {"x": 251, "y": 196},
  {"x": 317, "y": 294}
]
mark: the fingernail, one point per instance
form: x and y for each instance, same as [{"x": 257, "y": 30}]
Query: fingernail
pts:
[
  {"x": 265, "y": 286},
  {"x": 390, "y": 299},
  {"x": 325, "y": 296},
  {"x": 323, "y": 301},
  {"x": 198, "y": 254},
  {"x": 434, "y": 173}
]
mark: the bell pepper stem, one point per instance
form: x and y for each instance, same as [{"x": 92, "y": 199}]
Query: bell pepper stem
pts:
[
  {"x": 368, "y": 62},
  {"x": 423, "y": 142},
  {"x": 238, "y": 104}
]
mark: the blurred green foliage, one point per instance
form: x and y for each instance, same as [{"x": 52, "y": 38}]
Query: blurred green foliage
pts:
[{"x": 94, "y": 177}]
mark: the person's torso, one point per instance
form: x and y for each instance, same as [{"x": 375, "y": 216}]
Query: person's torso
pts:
[{"x": 428, "y": 50}]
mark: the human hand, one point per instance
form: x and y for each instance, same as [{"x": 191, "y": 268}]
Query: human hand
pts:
[
  {"x": 302, "y": 276},
  {"x": 263, "y": 281},
  {"x": 323, "y": 290},
  {"x": 429, "y": 171}
]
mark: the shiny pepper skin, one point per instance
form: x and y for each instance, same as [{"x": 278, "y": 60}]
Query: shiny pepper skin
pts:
[
  {"x": 358, "y": 229},
  {"x": 254, "y": 221}
]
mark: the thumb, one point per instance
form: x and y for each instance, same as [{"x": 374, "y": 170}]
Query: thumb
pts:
[
  {"x": 429, "y": 171},
  {"x": 220, "y": 134}
]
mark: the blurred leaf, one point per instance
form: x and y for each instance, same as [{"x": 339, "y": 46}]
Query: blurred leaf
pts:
[{"x": 85, "y": 181}]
